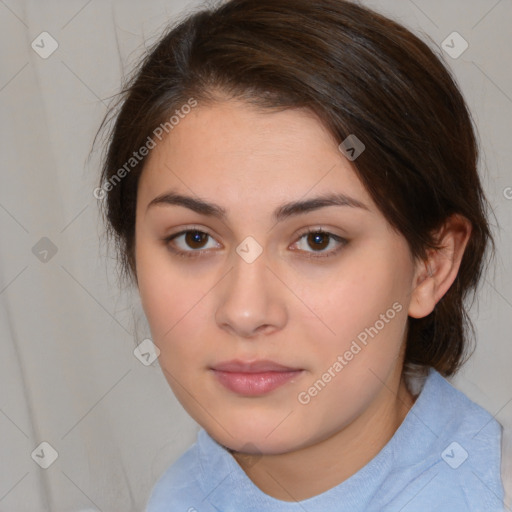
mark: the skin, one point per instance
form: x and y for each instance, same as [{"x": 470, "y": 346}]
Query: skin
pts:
[{"x": 296, "y": 310}]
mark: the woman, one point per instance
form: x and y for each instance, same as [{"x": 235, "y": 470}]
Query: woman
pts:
[{"x": 293, "y": 188}]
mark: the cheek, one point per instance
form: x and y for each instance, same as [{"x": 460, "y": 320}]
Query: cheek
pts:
[
  {"x": 365, "y": 301},
  {"x": 365, "y": 308},
  {"x": 363, "y": 289},
  {"x": 171, "y": 314},
  {"x": 166, "y": 295},
  {"x": 176, "y": 302}
]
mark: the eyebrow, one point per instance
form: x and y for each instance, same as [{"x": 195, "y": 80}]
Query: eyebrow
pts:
[{"x": 281, "y": 213}]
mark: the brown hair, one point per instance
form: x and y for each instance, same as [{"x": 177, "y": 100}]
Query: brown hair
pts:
[{"x": 361, "y": 74}]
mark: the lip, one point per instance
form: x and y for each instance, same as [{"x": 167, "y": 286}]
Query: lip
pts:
[
  {"x": 254, "y": 378},
  {"x": 259, "y": 366}
]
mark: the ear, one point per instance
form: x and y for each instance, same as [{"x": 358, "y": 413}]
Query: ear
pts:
[{"x": 434, "y": 276}]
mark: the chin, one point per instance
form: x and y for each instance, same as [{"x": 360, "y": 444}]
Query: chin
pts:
[{"x": 262, "y": 439}]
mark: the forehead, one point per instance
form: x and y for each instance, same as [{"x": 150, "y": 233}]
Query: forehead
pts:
[{"x": 231, "y": 150}]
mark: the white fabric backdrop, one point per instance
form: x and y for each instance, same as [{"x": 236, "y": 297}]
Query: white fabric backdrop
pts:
[{"x": 68, "y": 376}]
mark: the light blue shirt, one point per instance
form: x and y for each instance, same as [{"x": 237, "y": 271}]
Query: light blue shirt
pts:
[{"x": 445, "y": 456}]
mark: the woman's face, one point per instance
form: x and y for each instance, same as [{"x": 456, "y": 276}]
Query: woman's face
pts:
[{"x": 248, "y": 283}]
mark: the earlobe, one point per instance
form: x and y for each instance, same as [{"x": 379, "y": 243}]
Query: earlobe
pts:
[{"x": 435, "y": 275}]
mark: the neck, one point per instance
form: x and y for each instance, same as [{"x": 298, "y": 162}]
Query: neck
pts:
[{"x": 312, "y": 470}]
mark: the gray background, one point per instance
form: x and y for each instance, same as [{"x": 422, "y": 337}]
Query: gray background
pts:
[{"x": 68, "y": 375}]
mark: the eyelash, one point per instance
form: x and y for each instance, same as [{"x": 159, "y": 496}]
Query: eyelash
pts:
[{"x": 201, "y": 252}]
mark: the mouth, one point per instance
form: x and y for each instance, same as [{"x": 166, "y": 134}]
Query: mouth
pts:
[{"x": 254, "y": 378}]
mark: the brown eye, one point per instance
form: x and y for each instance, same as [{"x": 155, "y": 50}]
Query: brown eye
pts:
[
  {"x": 195, "y": 239},
  {"x": 317, "y": 241},
  {"x": 189, "y": 242}
]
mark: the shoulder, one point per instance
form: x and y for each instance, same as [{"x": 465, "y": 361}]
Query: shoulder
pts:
[
  {"x": 457, "y": 418},
  {"x": 457, "y": 453}
]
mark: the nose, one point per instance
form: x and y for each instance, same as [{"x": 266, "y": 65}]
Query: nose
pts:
[{"x": 251, "y": 300}]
